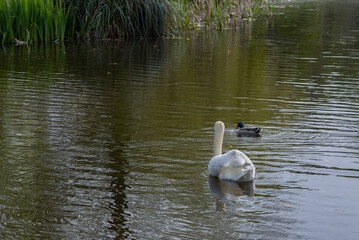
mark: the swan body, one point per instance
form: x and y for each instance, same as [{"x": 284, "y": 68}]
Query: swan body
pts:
[
  {"x": 233, "y": 165},
  {"x": 242, "y": 130}
]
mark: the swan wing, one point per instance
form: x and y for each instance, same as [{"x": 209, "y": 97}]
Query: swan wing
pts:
[
  {"x": 216, "y": 164},
  {"x": 238, "y": 168}
]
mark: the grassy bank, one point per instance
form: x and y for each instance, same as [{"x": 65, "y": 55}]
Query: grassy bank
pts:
[{"x": 50, "y": 20}]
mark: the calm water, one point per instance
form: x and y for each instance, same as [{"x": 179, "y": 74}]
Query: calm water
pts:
[{"x": 112, "y": 140}]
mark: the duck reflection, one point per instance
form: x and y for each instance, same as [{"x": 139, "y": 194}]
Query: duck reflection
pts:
[{"x": 224, "y": 191}]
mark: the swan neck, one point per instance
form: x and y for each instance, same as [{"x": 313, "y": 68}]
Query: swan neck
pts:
[{"x": 218, "y": 138}]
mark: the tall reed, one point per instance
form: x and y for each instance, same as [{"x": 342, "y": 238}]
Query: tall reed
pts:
[
  {"x": 95, "y": 19},
  {"x": 6, "y": 20},
  {"x": 32, "y": 20}
]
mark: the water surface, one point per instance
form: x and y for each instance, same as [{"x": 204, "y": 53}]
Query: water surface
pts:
[{"x": 111, "y": 140}]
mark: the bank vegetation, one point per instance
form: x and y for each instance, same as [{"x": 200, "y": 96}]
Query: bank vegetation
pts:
[{"x": 59, "y": 20}]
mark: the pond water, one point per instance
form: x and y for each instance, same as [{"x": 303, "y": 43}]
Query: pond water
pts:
[{"x": 111, "y": 140}]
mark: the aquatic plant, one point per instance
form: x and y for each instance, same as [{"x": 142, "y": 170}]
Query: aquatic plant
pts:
[
  {"x": 99, "y": 19},
  {"x": 94, "y": 19},
  {"x": 44, "y": 20},
  {"x": 6, "y": 30},
  {"x": 32, "y": 20}
]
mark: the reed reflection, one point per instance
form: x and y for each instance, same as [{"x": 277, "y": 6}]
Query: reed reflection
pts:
[{"x": 118, "y": 186}]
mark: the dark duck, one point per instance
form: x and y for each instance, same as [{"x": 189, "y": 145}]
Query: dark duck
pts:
[{"x": 242, "y": 130}]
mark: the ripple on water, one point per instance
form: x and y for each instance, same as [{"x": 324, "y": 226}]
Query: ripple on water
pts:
[{"x": 112, "y": 140}]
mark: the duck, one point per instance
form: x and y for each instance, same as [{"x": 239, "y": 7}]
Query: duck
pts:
[
  {"x": 242, "y": 130},
  {"x": 233, "y": 165}
]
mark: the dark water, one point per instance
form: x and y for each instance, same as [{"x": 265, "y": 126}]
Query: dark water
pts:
[{"x": 112, "y": 140}]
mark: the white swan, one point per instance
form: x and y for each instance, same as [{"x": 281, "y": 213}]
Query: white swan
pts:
[{"x": 233, "y": 165}]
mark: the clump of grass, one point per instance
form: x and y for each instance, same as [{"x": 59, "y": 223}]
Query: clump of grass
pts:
[
  {"x": 32, "y": 20},
  {"x": 94, "y": 19}
]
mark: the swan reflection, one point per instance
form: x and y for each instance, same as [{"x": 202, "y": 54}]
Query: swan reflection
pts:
[{"x": 228, "y": 191}]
